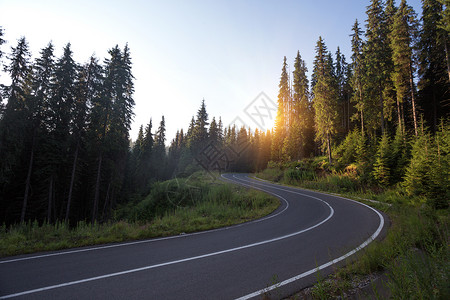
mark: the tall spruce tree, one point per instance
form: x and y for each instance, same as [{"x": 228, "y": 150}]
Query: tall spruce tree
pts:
[
  {"x": 325, "y": 98},
  {"x": 433, "y": 79},
  {"x": 42, "y": 84},
  {"x": 2, "y": 41},
  {"x": 87, "y": 90},
  {"x": 116, "y": 111},
  {"x": 444, "y": 39},
  {"x": 15, "y": 120},
  {"x": 159, "y": 152},
  {"x": 303, "y": 111},
  {"x": 377, "y": 57},
  {"x": 402, "y": 37},
  {"x": 358, "y": 75},
  {"x": 200, "y": 130},
  {"x": 342, "y": 81},
  {"x": 281, "y": 119},
  {"x": 60, "y": 123}
]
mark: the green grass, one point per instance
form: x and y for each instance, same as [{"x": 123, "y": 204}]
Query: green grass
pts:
[
  {"x": 172, "y": 208},
  {"x": 414, "y": 254}
]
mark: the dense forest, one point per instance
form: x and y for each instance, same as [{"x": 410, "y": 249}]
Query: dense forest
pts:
[{"x": 66, "y": 153}]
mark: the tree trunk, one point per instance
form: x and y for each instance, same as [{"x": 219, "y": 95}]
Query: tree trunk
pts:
[
  {"x": 447, "y": 58},
  {"x": 50, "y": 196},
  {"x": 435, "y": 115},
  {"x": 329, "y": 148},
  {"x": 348, "y": 113},
  {"x": 413, "y": 101},
  {"x": 106, "y": 202},
  {"x": 27, "y": 184},
  {"x": 382, "y": 108},
  {"x": 399, "y": 115},
  {"x": 97, "y": 189},
  {"x": 72, "y": 180},
  {"x": 362, "y": 110}
]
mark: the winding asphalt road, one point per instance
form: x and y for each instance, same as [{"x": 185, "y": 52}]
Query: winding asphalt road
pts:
[{"x": 309, "y": 233}]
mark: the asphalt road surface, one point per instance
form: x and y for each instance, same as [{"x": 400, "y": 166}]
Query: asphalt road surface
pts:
[{"x": 309, "y": 233}]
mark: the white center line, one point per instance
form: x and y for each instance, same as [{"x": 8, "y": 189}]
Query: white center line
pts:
[{"x": 185, "y": 259}]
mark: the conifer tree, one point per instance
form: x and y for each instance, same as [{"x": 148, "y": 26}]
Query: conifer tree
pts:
[
  {"x": 281, "y": 119},
  {"x": 325, "y": 98},
  {"x": 200, "y": 130},
  {"x": 214, "y": 135},
  {"x": 399, "y": 156},
  {"x": 377, "y": 57},
  {"x": 404, "y": 31},
  {"x": 342, "y": 81},
  {"x": 42, "y": 84},
  {"x": 2, "y": 41},
  {"x": 433, "y": 79},
  {"x": 15, "y": 118},
  {"x": 190, "y": 133},
  {"x": 147, "y": 148},
  {"x": 159, "y": 152},
  {"x": 60, "y": 123},
  {"x": 381, "y": 170},
  {"x": 116, "y": 112},
  {"x": 358, "y": 74},
  {"x": 444, "y": 25},
  {"x": 303, "y": 112}
]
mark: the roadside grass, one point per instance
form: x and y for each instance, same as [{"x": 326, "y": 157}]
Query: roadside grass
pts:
[
  {"x": 173, "y": 207},
  {"x": 414, "y": 255}
]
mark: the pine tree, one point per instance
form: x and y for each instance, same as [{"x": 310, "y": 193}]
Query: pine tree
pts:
[
  {"x": 303, "y": 112},
  {"x": 399, "y": 156},
  {"x": 404, "y": 31},
  {"x": 342, "y": 80},
  {"x": 444, "y": 25},
  {"x": 42, "y": 83},
  {"x": 60, "y": 124},
  {"x": 159, "y": 153},
  {"x": 190, "y": 133},
  {"x": 381, "y": 170},
  {"x": 15, "y": 118},
  {"x": 325, "y": 98},
  {"x": 200, "y": 131},
  {"x": 87, "y": 89},
  {"x": 2, "y": 41},
  {"x": 377, "y": 56},
  {"x": 358, "y": 75},
  {"x": 417, "y": 172},
  {"x": 116, "y": 113},
  {"x": 214, "y": 135},
  {"x": 433, "y": 79},
  {"x": 281, "y": 119}
]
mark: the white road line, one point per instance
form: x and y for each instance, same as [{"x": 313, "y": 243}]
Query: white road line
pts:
[
  {"x": 172, "y": 262},
  {"x": 147, "y": 241},
  {"x": 332, "y": 262}
]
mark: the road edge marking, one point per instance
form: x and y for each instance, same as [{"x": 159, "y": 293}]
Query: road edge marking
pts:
[{"x": 325, "y": 265}]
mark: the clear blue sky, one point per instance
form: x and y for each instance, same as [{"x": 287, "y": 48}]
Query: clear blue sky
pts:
[{"x": 226, "y": 52}]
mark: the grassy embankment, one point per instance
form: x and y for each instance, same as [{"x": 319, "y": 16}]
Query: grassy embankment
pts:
[
  {"x": 172, "y": 207},
  {"x": 414, "y": 256}
]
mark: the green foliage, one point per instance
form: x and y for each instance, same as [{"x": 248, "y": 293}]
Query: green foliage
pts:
[
  {"x": 428, "y": 172},
  {"x": 325, "y": 97},
  {"x": 347, "y": 150},
  {"x": 172, "y": 208},
  {"x": 295, "y": 175},
  {"x": 381, "y": 168}
]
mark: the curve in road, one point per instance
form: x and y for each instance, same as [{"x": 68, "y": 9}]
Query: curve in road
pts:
[{"x": 278, "y": 254}]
